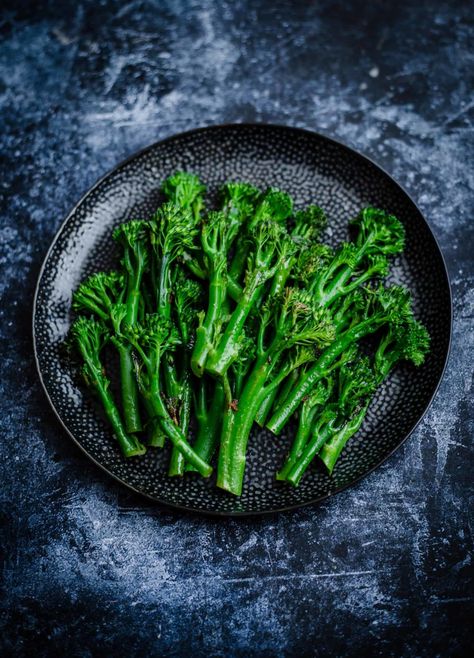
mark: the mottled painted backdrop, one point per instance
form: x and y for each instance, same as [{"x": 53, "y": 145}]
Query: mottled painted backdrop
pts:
[{"x": 383, "y": 569}]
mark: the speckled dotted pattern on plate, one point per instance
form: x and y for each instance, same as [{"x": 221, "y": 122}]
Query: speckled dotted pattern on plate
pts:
[{"x": 311, "y": 168}]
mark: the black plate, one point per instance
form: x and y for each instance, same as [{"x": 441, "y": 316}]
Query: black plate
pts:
[{"x": 312, "y": 168}]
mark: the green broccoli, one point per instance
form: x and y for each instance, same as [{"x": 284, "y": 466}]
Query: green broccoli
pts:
[
  {"x": 151, "y": 341},
  {"x": 229, "y": 315},
  {"x": 286, "y": 339},
  {"x": 187, "y": 295},
  {"x": 90, "y": 337},
  {"x": 383, "y": 306},
  {"x": 270, "y": 246},
  {"x": 356, "y": 385},
  {"x": 133, "y": 237}
]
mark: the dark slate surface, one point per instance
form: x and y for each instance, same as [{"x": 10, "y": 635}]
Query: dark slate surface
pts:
[{"x": 382, "y": 569}]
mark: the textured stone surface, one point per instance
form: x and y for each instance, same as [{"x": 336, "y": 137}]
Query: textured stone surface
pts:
[{"x": 382, "y": 569}]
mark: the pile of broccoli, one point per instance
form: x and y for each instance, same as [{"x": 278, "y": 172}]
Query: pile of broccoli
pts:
[{"x": 220, "y": 319}]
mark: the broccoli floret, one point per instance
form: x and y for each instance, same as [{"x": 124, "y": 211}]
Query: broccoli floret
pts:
[
  {"x": 379, "y": 232},
  {"x": 408, "y": 341},
  {"x": 98, "y": 293},
  {"x": 275, "y": 206},
  {"x": 188, "y": 297},
  {"x": 185, "y": 191},
  {"x": 309, "y": 223}
]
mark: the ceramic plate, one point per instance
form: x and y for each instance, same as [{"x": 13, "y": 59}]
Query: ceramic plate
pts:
[{"x": 313, "y": 169}]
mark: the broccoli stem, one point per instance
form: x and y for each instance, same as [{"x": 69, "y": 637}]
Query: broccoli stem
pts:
[
  {"x": 310, "y": 378},
  {"x": 284, "y": 390},
  {"x": 251, "y": 397},
  {"x": 194, "y": 266},
  {"x": 130, "y": 445},
  {"x": 311, "y": 450},
  {"x": 215, "y": 420},
  {"x": 157, "y": 437},
  {"x": 333, "y": 281},
  {"x": 281, "y": 276},
  {"x": 239, "y": 260},
  {"x": 173, "y": 386},
  {"x": 186, "y": 405},
  {"x": 177, "y": 461},
  {"x": 164, "y": 287},
  {"x": 204, "y": 333},
  {"x": 209, "y": 425},
  {"x": 200, "y": 402},
  {"x": 181, "y": 402},
  {"x": 305, "y": 426},
  {"x": 225, "y": 353},
  {"x": 265, "y": 408},
  {"x": 333, "y": 447},
  {"x": 129, "y": 387},
  {"x": 133, "y": 303},
  {"x": 249, "y": 402},
  {"x": 202, "y": 417},
  {"x": 224, "y": 464},
  {"x": 234, "y": 289},
  {"x": 326, "y": 294},
  {"x": 175, "y": 434},
  {"x": 148, "y": 299},
  {"x": 277, "y": 287},
  {"x": 129, "y": 390}
]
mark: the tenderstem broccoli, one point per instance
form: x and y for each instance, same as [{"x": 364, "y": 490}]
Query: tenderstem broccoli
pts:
[
  {"x": 151, "y": 341},
  {"x": 215, "y": 245},
  {"x": 384, "y": 306},
  {"x": 298, "y": 328},
  {"x": 133, "y": 238},
  {"x": 187, "y": 299},
  {"x": 270, "y": 246},
  {"x": 173, "y": 229},
  {"x": 90, "y": 337},
  {"x": 357, "y": 382},
  {"x": 231, "y": 310}
]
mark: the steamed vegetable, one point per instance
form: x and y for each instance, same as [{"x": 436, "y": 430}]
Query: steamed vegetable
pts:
[
  {"x": 225, "y": 316},
  {"x": 90, "y": 337}
]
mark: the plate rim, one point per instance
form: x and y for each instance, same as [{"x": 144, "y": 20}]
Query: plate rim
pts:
[{"x": 209, "y": 128}]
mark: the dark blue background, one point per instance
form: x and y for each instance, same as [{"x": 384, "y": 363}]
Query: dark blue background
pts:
[{"x": 383, "y": 569}]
